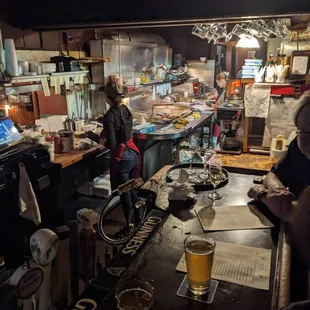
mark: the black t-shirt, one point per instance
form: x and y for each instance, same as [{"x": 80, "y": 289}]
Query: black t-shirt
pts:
[
  {"x": 117, "y": 125},
  {"x": 293, "y": 169}
]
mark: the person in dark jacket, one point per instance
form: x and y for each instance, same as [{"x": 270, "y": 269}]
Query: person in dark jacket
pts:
[
  {"x": 125, "y": 162},
  {"x": 286, "y": 192}
]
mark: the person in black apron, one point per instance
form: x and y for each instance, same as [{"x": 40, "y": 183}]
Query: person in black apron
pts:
[{"x": 125, "y": 161}]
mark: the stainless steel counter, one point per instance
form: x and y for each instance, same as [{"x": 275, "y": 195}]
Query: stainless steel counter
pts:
[{"x": 173, "y": 133}]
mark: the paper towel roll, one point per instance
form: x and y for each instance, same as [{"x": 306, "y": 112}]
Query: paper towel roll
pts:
[{"x": 11, "y": 57}]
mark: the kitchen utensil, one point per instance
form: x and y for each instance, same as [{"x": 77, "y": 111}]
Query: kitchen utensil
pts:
[
  {"x": 229, "y": 141},
  {"x": 43, "y": 246},
  {"x": 68, "y": 124}
]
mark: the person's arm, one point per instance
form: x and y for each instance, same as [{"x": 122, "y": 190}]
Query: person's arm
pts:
[
  {"x": 109, "y": 130},
  {"x": 92, "y": 136},
  {"x": 272, "y": 181},
  {"x": 278, "y": 176},
  {"x": 274, "y": 193}
]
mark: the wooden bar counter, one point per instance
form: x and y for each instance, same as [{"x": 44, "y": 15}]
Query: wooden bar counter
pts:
[
  {"x": 68, "y": 159},
  {"x": 248, "y": 161},
  {"x": 156, "y": 258}
]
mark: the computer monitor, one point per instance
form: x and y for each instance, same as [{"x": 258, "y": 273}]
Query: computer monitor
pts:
[{"x": 8, "y": 133}]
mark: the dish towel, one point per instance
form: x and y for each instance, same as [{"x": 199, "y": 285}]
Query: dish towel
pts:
[{"x": 28, "y": 204}]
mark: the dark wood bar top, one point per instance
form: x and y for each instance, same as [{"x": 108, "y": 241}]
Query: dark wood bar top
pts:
[{"x": 157, "y": 260}]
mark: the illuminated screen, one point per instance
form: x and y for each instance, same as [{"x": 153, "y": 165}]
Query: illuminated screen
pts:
[{"x": 8, "y": 133}]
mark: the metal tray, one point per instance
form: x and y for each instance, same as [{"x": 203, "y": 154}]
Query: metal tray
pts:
[{"x": 205, "y": 185}]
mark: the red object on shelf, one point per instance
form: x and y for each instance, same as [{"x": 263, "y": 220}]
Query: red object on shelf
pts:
[{"x": 283, "y": 90}]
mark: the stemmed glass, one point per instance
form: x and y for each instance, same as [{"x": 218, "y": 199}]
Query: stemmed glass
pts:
[
  {"x": 207, "y": 155},
  {"x": 192, "y": 150},
  {"x": 215, "y": 171}
]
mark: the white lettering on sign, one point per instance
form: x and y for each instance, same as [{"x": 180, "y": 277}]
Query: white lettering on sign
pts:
[
  {"x": 85, "y": 304},
  {"x": 135, "y": 243}
]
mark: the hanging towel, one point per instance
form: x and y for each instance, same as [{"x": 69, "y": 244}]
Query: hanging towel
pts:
[{"x": 28, "y": 204}]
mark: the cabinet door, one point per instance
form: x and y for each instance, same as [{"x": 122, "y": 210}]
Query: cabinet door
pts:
[{"x": 51, "y": 105}]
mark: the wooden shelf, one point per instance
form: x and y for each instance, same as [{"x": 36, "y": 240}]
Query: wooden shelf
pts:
[
  {"x": 69, "y": 73},
  {"x": 90, "y": 60},
  {"x": 274, "y": 84}
]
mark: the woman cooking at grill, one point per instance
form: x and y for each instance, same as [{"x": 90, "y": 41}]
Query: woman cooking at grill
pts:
[{"x": 125, "y": 162}]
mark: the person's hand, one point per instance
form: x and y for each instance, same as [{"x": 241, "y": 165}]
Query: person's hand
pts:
[
  {"x": 102, "y": 141},
  {"x": 279, "y": 200},
  {"x": 255, "y": 191}
]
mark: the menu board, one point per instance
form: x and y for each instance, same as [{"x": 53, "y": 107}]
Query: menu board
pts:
[
  {"x": 239, "y": 264},
  {"x": 232, "y": 218}
]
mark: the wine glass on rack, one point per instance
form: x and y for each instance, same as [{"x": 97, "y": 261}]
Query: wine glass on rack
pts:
[
  {"x": 192, "y": 150},
  {"x": 215, "y": 171}
]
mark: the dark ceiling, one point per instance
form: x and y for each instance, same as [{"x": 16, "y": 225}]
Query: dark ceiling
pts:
[{"x": 44, "y": 13}]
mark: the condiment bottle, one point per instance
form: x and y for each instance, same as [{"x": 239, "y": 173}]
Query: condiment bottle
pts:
[{"x": 57, "y": 144}]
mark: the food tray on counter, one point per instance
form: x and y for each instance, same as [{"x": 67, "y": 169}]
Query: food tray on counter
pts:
[
  {"x": 198, "y": 183},
  {"x": 166, "y": 113}
]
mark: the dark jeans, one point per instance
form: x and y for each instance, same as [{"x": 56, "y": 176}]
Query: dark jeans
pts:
[{"x": 126, "y": 171}]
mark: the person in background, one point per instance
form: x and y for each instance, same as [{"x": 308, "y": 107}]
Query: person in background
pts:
[
  {"x": 221, "y": 81},
  {"x": 125, "y": 159},
  {"x": 286, "y": 193}
]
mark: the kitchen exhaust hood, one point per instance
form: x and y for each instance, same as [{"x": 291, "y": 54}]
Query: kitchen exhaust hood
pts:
[{"x": 56, "y": 14}]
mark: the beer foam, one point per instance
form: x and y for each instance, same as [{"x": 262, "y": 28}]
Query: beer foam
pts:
[{"x": 199, "y": 247}]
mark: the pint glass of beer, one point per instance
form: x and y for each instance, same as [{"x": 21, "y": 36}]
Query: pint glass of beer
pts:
[{"x": 199, "y": 253}]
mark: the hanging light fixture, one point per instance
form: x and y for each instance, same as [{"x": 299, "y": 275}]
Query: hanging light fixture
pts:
[{"x": 246, "y": 42}]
